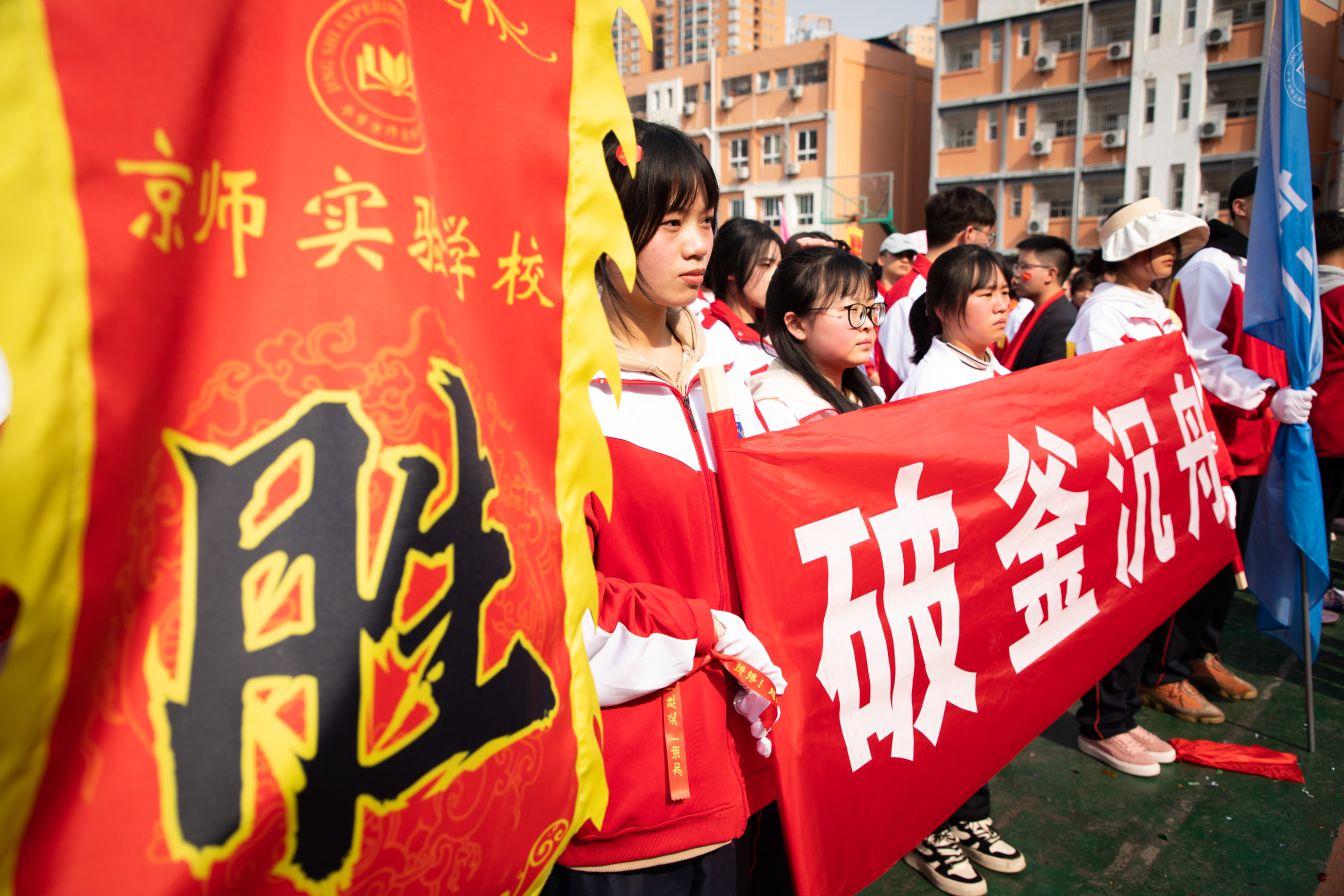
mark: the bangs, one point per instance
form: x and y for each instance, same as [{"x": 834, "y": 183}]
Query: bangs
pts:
[
  {"x": 671, "y": 178},
  {"x": 845, "y": 276},
  {"x": 985, "y": 267}
]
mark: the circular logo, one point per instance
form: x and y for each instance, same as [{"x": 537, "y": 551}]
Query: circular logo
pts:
[
  {"x": 359, "y": 69},
  {"x": 1295, "y": 77}
]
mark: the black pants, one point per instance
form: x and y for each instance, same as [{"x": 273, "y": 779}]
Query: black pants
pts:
[
  {"x": 976, "y": 807},
  {"x": 763, "y": 857},
  {"x": 1111, "y": 706},
  {"x": 1332, "y": 487},
  {"x": 1200, "y": 621},
  {"x": 713, "y": 874}
]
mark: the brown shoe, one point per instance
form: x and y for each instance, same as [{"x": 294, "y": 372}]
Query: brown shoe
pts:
[
  {"x": 1211, "y": 675},
  {"x": 1181, "y": 700}
]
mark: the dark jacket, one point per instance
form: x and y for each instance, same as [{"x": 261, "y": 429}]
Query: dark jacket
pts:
[{"x": 1047, "y": 340}]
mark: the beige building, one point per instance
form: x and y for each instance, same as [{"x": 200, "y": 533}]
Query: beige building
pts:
[
  {"x": 688, "y": 31},
  {"x": 920, "y": 41},
  {"x": 809, "y": 135},
  {"x": 1062, "y": 111}
]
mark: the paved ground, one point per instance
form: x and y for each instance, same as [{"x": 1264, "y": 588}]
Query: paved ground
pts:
[{"x": 1192, "y": 830}]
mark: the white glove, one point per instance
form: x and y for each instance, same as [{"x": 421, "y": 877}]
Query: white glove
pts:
[
  {"x": 739, "y": 643},
  {"x": 1230, "y": 497},
  {"x": 1292, "y": 405}
]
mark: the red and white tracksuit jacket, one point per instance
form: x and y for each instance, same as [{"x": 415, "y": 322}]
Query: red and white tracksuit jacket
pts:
[
  {"x": 1327, "y": 411},
  {"x": 730, "y": 335},
  {"x": 1240, "y": 373},
  {"x": 895, "y": 344},
  {"x": 662, "y": 565}
]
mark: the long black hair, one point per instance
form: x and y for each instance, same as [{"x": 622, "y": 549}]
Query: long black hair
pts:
[
  {"x": 673, "y": 174},
  {"x": 739, "y": 246},
  {"x": 805, "y": 281},
  {"x": 956, "y": 274}
]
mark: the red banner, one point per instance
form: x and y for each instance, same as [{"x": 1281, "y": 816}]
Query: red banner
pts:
[
  {"x": 301, "y": 315},
  {"x": 940, "y": 578}
]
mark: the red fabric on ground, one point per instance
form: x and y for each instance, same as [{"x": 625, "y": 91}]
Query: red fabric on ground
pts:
[{"x": 1239, "y": 758}]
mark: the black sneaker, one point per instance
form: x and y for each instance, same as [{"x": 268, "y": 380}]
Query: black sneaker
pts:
[
  {"x": 983, "y": 845},
  {"x": 940, "y": 859}
]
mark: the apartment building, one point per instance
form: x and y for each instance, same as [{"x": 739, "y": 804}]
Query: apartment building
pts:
[
  {"x": 1063, "y": 111},
  {"x": 687, "y": 31},
  {"x": 811, "y": 134},
  {"x": 920, "y": 41}
]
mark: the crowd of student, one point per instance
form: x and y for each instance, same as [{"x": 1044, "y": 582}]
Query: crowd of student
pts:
[{"x": 806, "y": 330}]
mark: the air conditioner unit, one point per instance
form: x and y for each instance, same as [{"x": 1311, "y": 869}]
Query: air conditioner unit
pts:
[
  {"x": 792, "y": 169},
  {"x": 1217, "y": 36},
  {"x": 1113, "y": 139},
  {"x": 688, "y": 108},
  {"x": 1212, "y": 129},
  {"x": 742, "y": 172},
  {"x": 1041, "y": 146},
  {"x": 796, "y": 92},
  {"x": 1118, "y": 50},
  {"x": 1044, "y": 62},
  {"x": 726, "y": 103},
  {"x": 1036, "y": 225}
]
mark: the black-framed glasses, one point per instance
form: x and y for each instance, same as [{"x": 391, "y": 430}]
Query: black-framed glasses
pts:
[
  {"x": 1019, "y": 266},
  {"x": 856, "y": 314}
]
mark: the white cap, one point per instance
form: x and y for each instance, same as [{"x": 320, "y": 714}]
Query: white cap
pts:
[
  {"x": 1144, "y": 224},
  {"x": 897, "y": 243}
]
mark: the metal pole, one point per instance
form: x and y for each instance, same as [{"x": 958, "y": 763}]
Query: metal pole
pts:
[{"x": 1306, "y": 654}]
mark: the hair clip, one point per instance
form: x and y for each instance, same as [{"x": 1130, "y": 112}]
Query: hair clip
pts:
[{"x": 620, "y": 154}]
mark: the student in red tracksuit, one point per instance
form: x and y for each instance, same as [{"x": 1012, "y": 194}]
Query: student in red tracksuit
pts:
[
  {"x": 665, "y": 592},
  {"x": 954, "y": 325},
  {"x": 1242, "y": 377},
  {"x": 740, "y": 267},
  {"x": 1327, "y": 411},
  {"x": 952, "y": 217},
  {"x": 821, "y": 316}
]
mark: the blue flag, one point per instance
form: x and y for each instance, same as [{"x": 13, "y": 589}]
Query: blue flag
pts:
[{"x": 1282, "y": 308}]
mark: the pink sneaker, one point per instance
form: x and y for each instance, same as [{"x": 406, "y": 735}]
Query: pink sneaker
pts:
[
  {"x": 1153, "y": 745},
  {"x": 1121, "y": 752}
]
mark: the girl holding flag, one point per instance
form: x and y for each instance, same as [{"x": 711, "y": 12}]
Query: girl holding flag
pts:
[{"x": 681, "y": 766}]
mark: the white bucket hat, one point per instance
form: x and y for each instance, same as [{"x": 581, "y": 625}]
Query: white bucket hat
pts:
[{"x": 1141, "y": 225}]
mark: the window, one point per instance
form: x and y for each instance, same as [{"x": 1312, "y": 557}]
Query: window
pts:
[
  {"x": 1064, "y": 30},
  {"x": 959, "y": 129},
  {"x": 991, "y": 124},
  {"x": 739, "y": 86},
  {"x": 1242, "y": 107},
  {"x": 639, "y": 104},
  {"x": 737, "y": 208},
  {"x": 781, "y": 78},
  {"x": 812, "y": 73},
  {"x": 995, "y": 45},
  {"x": 772, "y": 149},
  {"x": 762, "y": 82},
  {"x": 1015, "y": 201},
  {"x": 1103, "y": 194},
  {"x": 806, "y": 214},
  {"x": 691, "y": 93},
  {"x": 1061, "y": 205},
  {"x": 807, "y": 145},
  {"x": 1240, "y": 93},
  {"x": 962, "y": 51},
  {"x": 1063, "y": 114},
  {"x": 770, "y": 208},
  {"x": 1107, "y": 110},
  {"x": 1183, "y": 99},
  {"x": 1149, "y": 102},
  {"x": 1021, "y": 122},
  {"x": 1155, "y": 19},
  {"x": 1112, "y": 23},
  {"x": 1177, "y": 187},
  {"x": 738, "y": 153},
  {"x": 1145, "y": 178},
  {"x": 1024, "y": 39},
  {"x": 1242, "y": 10},
  {"x": 1190, "y": 7}
]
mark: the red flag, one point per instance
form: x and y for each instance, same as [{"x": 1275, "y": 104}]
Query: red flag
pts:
[
  {"x": 940, "y": 578},
  {"x": 301, "y": 315},
  {"x": 1245, "y": 758}
]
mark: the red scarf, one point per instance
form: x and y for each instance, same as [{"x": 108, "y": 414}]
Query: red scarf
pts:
[{"x": 1009, "y": 356}]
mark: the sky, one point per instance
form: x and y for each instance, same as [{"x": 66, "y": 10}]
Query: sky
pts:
[{"x": 866, "y": 18}]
